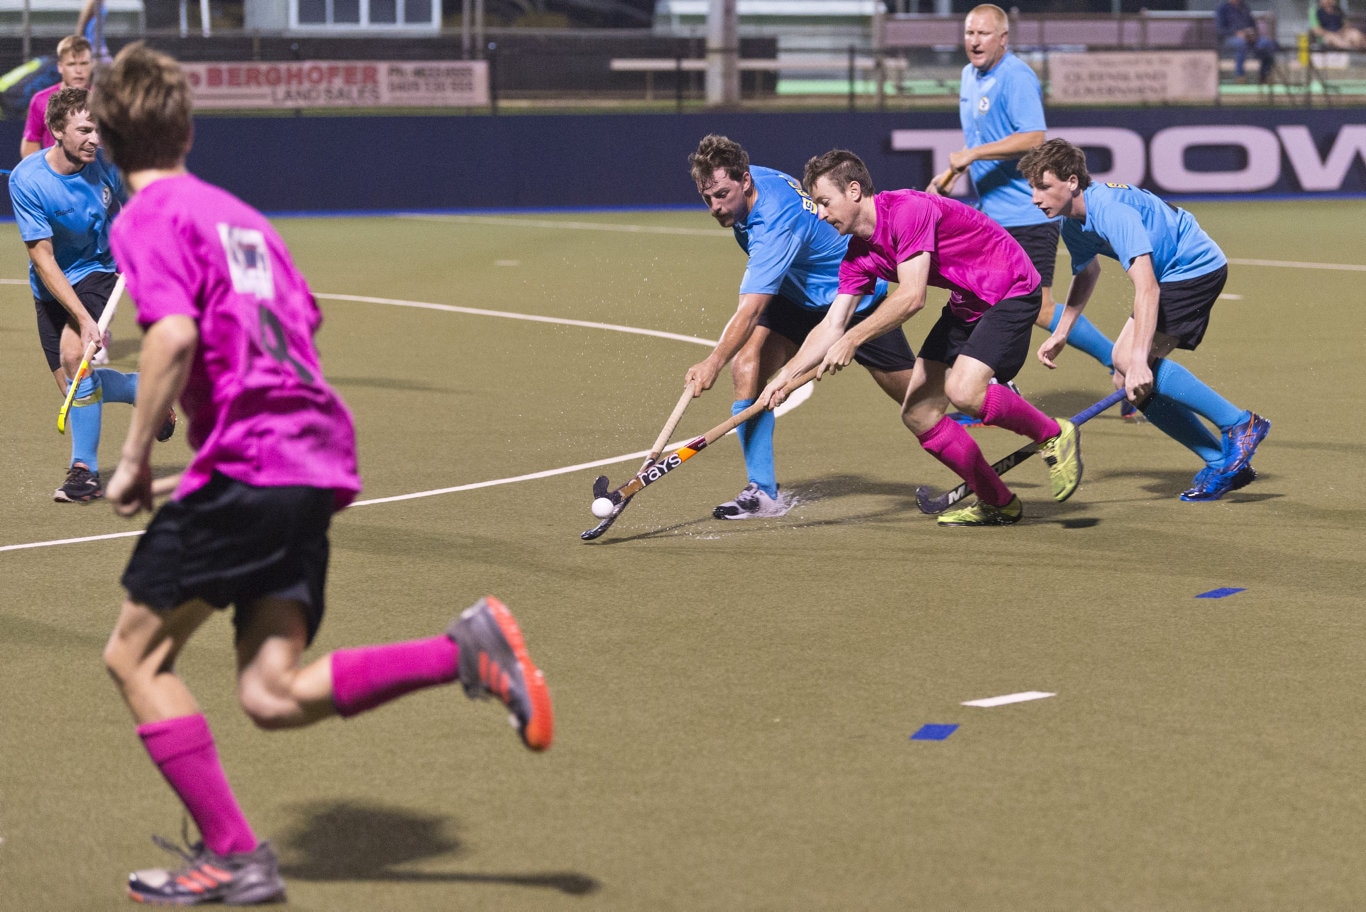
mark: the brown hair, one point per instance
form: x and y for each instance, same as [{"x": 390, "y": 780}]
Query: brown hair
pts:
[
  {"x": 842, "y": 168},
  {"x": 716, "y": 151},
  {"x": 143, "y": 107},
  {"x": 1058, "y": 156},
  {"x": 62, "y": 104}
]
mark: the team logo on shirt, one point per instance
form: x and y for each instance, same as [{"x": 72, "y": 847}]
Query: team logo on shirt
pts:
[
  {"x": 248, "y": 261},
  {"x": 983, "y": 105},
  {"x": 106, "y": 195}
]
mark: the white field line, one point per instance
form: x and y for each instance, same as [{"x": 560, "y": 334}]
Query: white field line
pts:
[
  {"x": 793, "y": 401},
  {"x": 1007, "y": 699},
  {"x": 1291, "y": 264},
  {"x": 554, "y": 225}
]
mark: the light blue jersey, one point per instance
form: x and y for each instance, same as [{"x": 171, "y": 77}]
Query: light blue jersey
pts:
[
  {"x": 1124, "y": 222},
  {"x": 1006, "y": 99},
  {"x": 73, "y": 210},
  {"x": 792, "y": 253}
]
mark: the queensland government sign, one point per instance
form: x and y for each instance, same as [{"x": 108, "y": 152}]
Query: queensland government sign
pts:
[
  {"x": 1133, "y": 77},
  {"x": 339, "y": 84}
]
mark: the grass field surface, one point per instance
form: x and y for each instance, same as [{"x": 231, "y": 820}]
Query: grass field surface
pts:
[{"x": 736, "y": 701}]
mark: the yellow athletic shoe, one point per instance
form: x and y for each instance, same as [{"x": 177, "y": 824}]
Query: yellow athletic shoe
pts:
[
  {"x": 1063, "y": 456},
  {"x": 982, "y": 514}
]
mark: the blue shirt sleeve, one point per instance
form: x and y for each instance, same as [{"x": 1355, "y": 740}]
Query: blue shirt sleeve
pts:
[
  {"x": 771, "y": 253},
  {"x": 29, "y": 214}
]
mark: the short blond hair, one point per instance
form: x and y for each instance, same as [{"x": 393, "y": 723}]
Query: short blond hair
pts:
[
  {"x": 75, "y": 45},
  {"x": 995, "y": 12}
]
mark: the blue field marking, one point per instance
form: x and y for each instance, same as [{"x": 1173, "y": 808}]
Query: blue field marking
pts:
[
  {"x": 1220, "y": 593},
  {"x": 934, "y": 732}
]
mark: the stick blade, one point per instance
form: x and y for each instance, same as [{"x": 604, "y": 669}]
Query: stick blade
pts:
[
  {"x": 924, "y": 499},
  {"x": 590, "y": 534}
]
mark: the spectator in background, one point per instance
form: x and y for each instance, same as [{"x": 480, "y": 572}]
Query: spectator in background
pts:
[
  {"x": 1239, "y": 33},
  {"x": 73, "y": 65},
  {"x": 1328, "y": 26}
]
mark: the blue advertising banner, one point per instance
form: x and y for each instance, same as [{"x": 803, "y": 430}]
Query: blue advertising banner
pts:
[{"x": 517, "y": 162}]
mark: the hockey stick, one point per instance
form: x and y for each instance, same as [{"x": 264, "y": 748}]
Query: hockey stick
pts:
[
  {"x": 90, "y": 349},
  {"x": 652, "y": 473},
  {"x": 932, "y": 503},
  {"x": 600, "y": 484}
]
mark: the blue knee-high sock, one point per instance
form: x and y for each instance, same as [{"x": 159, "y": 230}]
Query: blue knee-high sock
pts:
[
  {"x": 118, "y": 386},
  {"x": 1086, "y": 337},
  {"x": 756, "y": 442},
  {"x": 1185, "y": 427},
  {"x": 1175, "y": 382},
  {"x": 85, "y": 422}
]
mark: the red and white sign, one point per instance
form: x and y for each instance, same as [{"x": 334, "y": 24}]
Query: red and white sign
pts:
[{"x": 340, "y": 84}]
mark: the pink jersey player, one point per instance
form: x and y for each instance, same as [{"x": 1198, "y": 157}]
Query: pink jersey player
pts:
[
  {"x": 982, "y": 335},
  {"x": 228, "y": 327},
  {"x": 970, "y": 254},
  {"x": 259, "y": 409}
]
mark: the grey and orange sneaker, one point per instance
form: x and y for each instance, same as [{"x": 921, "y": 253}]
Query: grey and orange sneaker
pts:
[
  {"x": 494, "y": 660},
  {"x": 754, "y": 503},
  {"x": 81, "y": 485},
  {"x": 243, "y": 879}
]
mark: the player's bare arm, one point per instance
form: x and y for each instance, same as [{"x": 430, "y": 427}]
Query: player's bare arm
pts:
[
  {"x": 1078, "y": 294},
  {"x": 828, "y": 331},
  {"x": 51, "y": 275},
  {"x": 702, "y": 375},
  {"x": 1011, "y": 147},
  {"x": 906, "y": 301},
  {"x": 1138, "y": 375},
  {"x": 167, "y": 354}
]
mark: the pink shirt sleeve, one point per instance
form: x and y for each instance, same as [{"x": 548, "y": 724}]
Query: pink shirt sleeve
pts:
[{"x": 35, "y": 127}]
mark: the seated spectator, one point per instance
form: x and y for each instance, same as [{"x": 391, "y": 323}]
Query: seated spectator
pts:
[
  {"x": 1329, "y": 27},
  {"x": 1238, "y": 33}
]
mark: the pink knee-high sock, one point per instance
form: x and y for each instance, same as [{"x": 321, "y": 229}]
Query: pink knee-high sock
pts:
[
  {"x": 367, "y": 676},
  {"x": 1005, "y": 409},
  {"x": 948, "y": 442},
  {"x": 184, "y": 751}
]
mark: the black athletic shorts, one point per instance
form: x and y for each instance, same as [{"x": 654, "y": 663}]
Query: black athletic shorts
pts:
[
  {"x": 230, "y": 543},
  {"x": 93, "y": 290},
  {"x": 1183, "y": 308},
  {"x": 1040, "y": 243},
  {"x": 999, "y": 338},
  {"x": 888, "y": 352}
]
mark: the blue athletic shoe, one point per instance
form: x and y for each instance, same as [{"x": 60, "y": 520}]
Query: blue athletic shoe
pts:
[
  {"x": 965, "y": 419},
  {"x": 1212, "y": 484},
  {"x": 1240, "y": 441}
]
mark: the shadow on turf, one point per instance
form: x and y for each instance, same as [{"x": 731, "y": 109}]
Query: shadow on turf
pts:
[
  {"x": 341, "y": 841},
  {"x": 806, "y": 492}
]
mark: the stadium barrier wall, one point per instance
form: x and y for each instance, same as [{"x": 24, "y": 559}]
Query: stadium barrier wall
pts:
[{"x": 530, "y": 162}]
